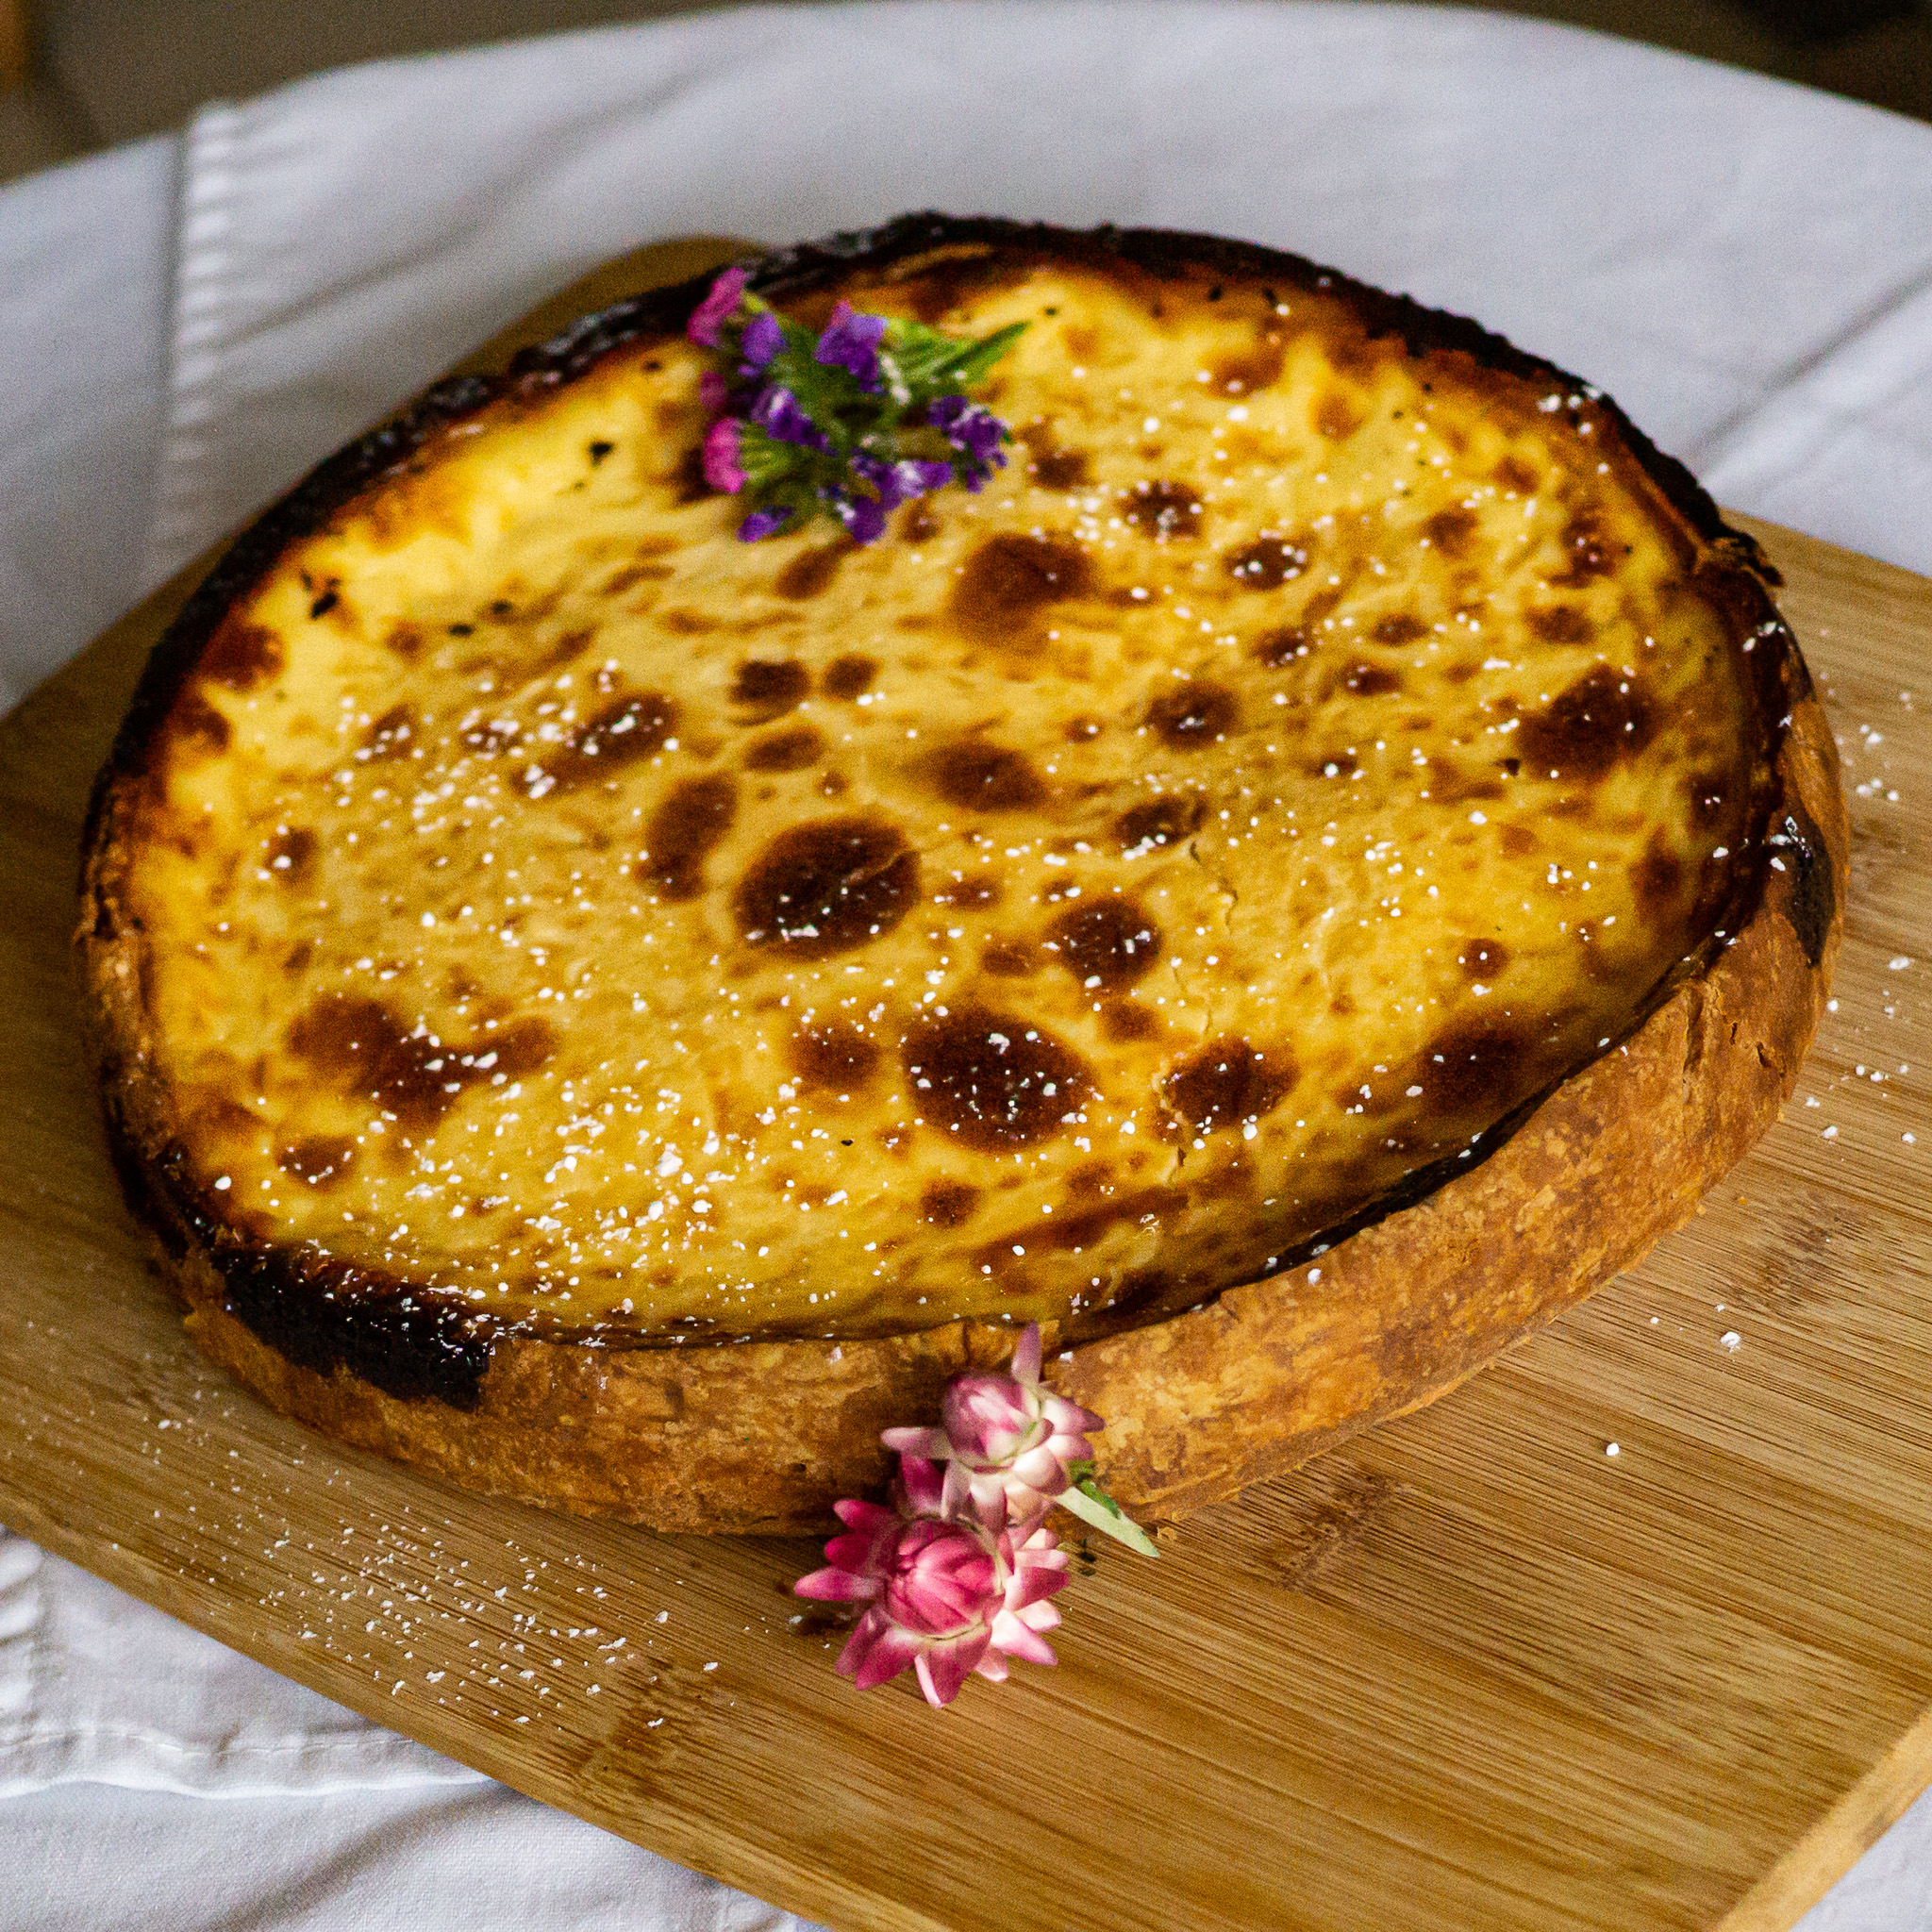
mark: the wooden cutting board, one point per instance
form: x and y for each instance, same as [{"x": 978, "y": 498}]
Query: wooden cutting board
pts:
[{"x": 1471, "y": 1670}]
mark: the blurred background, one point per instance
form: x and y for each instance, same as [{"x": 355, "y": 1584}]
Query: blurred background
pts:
[{"x": 79, "y": 74}]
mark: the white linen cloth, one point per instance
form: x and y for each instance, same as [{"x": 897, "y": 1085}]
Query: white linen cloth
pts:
[{"x": 188, "y": 324}]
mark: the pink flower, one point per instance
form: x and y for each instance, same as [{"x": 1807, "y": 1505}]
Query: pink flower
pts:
[
  {"x": 1004, "y": 1439},
  {"x": 722, "y": 470},
  {"x": 709, "y": 318},
  {"x": 949, "y": 1596}
]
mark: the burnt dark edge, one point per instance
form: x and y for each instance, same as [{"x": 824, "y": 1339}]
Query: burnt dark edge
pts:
[
  {"x": 317, "y": 1312},
  {"x": 1813, "y": 902},
  {"x": 412, "y": 1345}
]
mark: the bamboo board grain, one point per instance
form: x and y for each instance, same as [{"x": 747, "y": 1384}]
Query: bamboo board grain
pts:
[{"x": 1468, "y": 1670}]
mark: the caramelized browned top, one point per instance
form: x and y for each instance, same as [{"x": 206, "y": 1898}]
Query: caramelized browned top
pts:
[{"x": 1302, "y": 754}]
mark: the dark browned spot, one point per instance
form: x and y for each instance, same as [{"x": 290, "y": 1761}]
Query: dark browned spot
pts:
[
  {"x": 825, "y": 888},
  {"x": 1450, "y": 531},
  {"x": 1080, "y": 730},
  {"x": 1371, "y": 680},
  {"x": 1658, "y": 876},
  {"x": 833, "y": 1054},
  {"x": 850, "y": 676},
  {"x": 688, "y": 481},
  {"x": 770, "y": 688},
  {"x": 1241, "y": 372},
  {"x": 810, "y": 572},
  {"x": 687, "y": 624},
  {"x": 948, "y": 1203},
  {"x": 1009, "y": 579},
  {"x": 1076, "y": 1233},
  {"x": 320, "y": 1160},
  {"x": 1332, "y": 764},
  {"x": 1126, "y": 1018},
  {"x": 392, "y": 735},
  {"x": 195, "y": 717},
  {"x": 1192, "y": 714},
  {"x": 1337, "y": 418},
  {"x": 1105, "y": 943},
  {"x": 1007, "y": 959},
  {"x": 362, "y": 1044},
  {"x": 1587, "y": 552},
  {"x": 686, "y": 827},
  {"x": 623, "y": 731},
  {"x": 407, "y": 640},
  {"x": 982, "y": 889},
  {"x": 1091, "y": 1180},
  {"x": 1059, "y": 469},
  {"x": 1400, "y": 627},
  {"x": 292, "y": 854},
  {"x": 598, "y": 450},
  {"x": 628, "y": 575},
  {"x": 1266, "y": 563},
  {"x": 1482, "y": 959},
  {"x": 568, "y": 647},
  {"x": 321, "y": 607},
  {"x": 493, "y": 738},
  {"x": 1599, "y": 720},
  {"x": 784, "y": 751},
  {"x": 1515, "y": 475},
  {"x": 1164, "y": 821},
  {"x": 1559, "y": 623},
  {"x": 1229, "y": 1178},
  {"x": 833, "y": 784},
  {"x": 919, "y": 524},
  {"x": 240, "y": 655},
  {"x": 1517, "y": 840},
  {"x": 1452, "y": 784},
  {"x": 1164, "y": 509},
  {"x": 1278, "y": 648},
  {"x": 990, "y": 1079},
  {"x": 1140, "y": 1289},
  {"x": 1481, "y": 1066},
  {"x": 1227, "y": 1084},
  {"x": 1707, "y": 794},
  {"x": 977, "y": 776}
]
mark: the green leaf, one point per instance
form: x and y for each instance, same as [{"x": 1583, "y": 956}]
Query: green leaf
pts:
[{"x": 1093, "y": 1505}]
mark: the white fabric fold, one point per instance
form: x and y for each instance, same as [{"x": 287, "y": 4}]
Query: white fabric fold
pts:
[
  {"x": 85, "y": 256},
  {"x": 81, "y": 1858},
  {"x": 97, "y": 1688}
]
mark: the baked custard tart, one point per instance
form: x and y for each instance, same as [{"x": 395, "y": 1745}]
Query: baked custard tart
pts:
[{"x": 1314, "y": 867}]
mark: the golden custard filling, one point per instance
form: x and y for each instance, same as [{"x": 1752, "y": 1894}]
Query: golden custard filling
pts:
[{"x": 1300, "y": 755}]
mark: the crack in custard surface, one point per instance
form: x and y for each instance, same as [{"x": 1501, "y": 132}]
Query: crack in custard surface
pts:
[{"x": 1298, "y": 756}]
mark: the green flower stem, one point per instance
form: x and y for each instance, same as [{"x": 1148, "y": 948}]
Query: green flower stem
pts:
[{"x": 1093, "y": 1505}]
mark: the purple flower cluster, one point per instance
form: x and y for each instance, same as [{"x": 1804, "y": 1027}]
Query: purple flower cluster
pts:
[
  {"x": 975, "y": 432},
  {"x": 889, "y": 484},
  {"x": 863, "y": 471},
  {"x": 783, "y": 418},
  {"x": 851, "y": 342}
]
